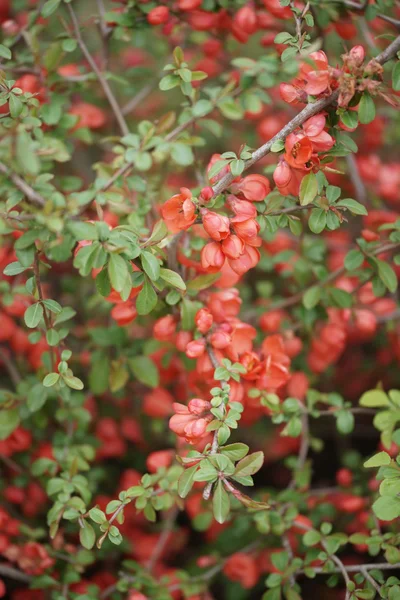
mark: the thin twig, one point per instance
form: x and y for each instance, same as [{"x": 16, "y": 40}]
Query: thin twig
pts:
[
  {"x": 309, "y": 111},
  {"x": 163, "y": 539},
  {"x": 33, "y": 197},
  {"x": 10, "y": 366},
  {"x": 103, "y": 82},
  {"x": 372, "y": 581},
  {"x": 11, "y": 573}
]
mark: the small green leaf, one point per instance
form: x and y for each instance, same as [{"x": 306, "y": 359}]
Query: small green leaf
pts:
[
  {"x": 250, "y": 464},
  {"x": 33, "y": 315},
  {"x": 366, "y": 109},
  {"x": 51, "y": 379},
  {"x": 354, "y": 207},
  {"x": 145, "y": 370},
  {"x": 150, "y": 265},
  {"x": 147, "y": 298},
  {"x": 221, "y": 503},
  {"x": 311, "y": 297},
  {"x": 308, "y": 189},
  {"x": 87, "y": 536},
  {"x": 387, "y": 275},
  {"x": 374, "y": 399},
  {"x": 353, "y": 260},
  {"x": 173, "y": 279},
  {"x": 317, "y": 220},
  {"x": 14, "y": 268},
  {"x": 9, "y": 421},
  {"x": 5, "y": 52},
  {"x": 73, "y": 382},
  {"x": 387, "y": 508},
  {"x": 378, "y": 460},
  {"x": 117, "y": 271},
  {"x": 186, "y": 480}
]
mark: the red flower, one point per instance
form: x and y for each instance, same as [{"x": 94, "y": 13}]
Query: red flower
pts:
[
  {"x": 179, "y": 211},
  {"x": 254, "y": 187},
  {"x": 190, "y": 422}
]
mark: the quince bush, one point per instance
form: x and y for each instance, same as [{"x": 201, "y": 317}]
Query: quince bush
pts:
[{"x": 199, "y": 339}]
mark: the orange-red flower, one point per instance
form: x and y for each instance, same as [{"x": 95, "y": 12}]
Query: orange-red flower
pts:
[{"x": 179, "y": 212}]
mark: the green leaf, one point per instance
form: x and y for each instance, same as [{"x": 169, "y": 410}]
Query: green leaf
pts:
[
  {"x": 396, "y": 77},
  {"x": 182, "y": 154},
  {"x": 374, "y": 399},
  {"x": 26, "y": 155},
  {"x": 353, "y": 260},
  {"x": 9, "y": 421},
  {"x": 53, "y": 306},
  {"x": 221, "y": 503},
  {"x": 354, "y": 207},
  {"x": 202, "y": 282},
  {"x": 103, "y": 284},
  {"x": 173, "y": 279},
  {"x": 168, "y": 82},
  {"x": 51, "y": 379},
  {"x": 14, "y": 268},
  {"x": 349, "y": 119},
  {"x": 186, "y": 480},
  {"x": 160, "y": 231},
  {"x": 387, "y": 275},
  {"x": 311, "y": 538},
  {"x": 312, "y": 297},
  {"x": 5, "y": 52},
  {"x": 73, "y": 382},
  {"x": 380, "y": 459},
  {"x": 366, "y": 109},
  {"x": 341, "y": 298},
  {"x": 235, "y": 451},
  {"x": 97, "y": 515},
  {"x": 52, "y": 337},
  {"x": 36, "y": 397},
  {"x": 250, "y": 464},
  {"x": 308, "y": 189},
  {"x": 49, "y": 7},
  {"x": 237, "y": 167},
  {"x": 87, "y": 536},
  {"x": 83, "y": 231},
  {"x": 118, "y": 272},
  {"x": 33, "y": 315},
  {"x": 231, "y": 109},
  {"x": 145, "y": 370},
  {"x": 150, "y": 265},
  {"x": 344, "y": 421},
  {"x": 147, "y": 298},
  {"x": 15, "y": 105},
  {"x": 387, "y": 508},
  {"x": 317, "y": 220}
]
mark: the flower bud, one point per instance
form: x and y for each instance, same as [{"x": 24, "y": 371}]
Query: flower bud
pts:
[
  {"x": 217, "y": 226},
  {"x": 203, "y": 320},
  {"x": 195, "y": 348}
]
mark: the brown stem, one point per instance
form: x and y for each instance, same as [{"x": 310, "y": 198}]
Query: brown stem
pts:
[
  {"x": 10, "y": 366},
  {"x": 30, "y": 194},
  {"x": 103, "y": 82},
  {"x": 163, "y": 539},
  {"x": 11, "y": 573}
]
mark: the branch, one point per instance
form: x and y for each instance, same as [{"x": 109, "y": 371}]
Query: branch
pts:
[
  {"x": 309, "y": 111},
  {"x": 9, "y": 365},
  {"x": 103, "y": 82},
  {"x": 23, "y": 186},
  {"x": 214, "y": 445},
  {"x": 11, "y": 573},
  {"x": 331, "y": 277},
  {"x": 361, "y": 7},
  {"x": 163, "y": 539}
]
